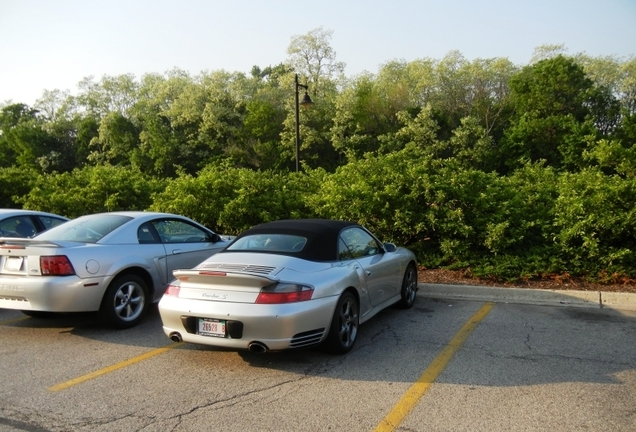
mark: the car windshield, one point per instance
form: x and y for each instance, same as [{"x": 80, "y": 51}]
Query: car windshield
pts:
[
  {"x": 269, "y": 243},
  {"x": 87, "y": 229}
]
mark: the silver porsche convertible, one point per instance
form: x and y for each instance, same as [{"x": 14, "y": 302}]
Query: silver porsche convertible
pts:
[
  {"x": 289, "y": 284},
  {"x": 115, "y": 263}
]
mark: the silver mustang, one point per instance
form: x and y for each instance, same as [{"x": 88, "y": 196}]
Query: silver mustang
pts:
[
  {"x": 289, "y": 284},
  {"x": 115, "y": 263}
]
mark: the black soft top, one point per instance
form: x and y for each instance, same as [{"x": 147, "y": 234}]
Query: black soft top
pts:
[{"x": 322, "y": 236}]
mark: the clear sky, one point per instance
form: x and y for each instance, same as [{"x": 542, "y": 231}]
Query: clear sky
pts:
[{"x": 54, "y": 44}]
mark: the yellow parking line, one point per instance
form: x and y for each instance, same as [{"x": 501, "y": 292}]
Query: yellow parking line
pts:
[
  {"x": 421, "y": 386},
  {"x": 112, "y": 368}
]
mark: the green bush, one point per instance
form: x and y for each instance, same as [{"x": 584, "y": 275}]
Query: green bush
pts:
[
  {"x": 230, "y": 200},
  {"x": 533, "y": 222},
  {"x": 595, "y": 221},
  {"x": 92, "y": 190}
]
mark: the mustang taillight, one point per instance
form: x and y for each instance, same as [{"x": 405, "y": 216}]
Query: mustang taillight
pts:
[
  {"x": 173, "y": 290},
  {"x": 284, "y": 293},
  {"x": 57, "y": 265}
]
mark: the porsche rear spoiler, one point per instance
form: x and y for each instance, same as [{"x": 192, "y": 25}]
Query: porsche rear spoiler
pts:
[{"x": 215, "y": 277}]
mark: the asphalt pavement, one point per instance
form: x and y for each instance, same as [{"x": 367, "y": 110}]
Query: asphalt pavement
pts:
[{"x": 591, "y": 299}]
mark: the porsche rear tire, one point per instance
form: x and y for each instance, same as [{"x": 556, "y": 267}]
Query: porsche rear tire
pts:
[
  {"x": 344, "y": 325},
  {"x": 125, "y": 301},
  {"x": 409, "y": 288}
]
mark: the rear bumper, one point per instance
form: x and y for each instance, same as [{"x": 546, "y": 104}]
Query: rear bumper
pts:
[
  {"x": 278, "y": 327},
  {"x": 51, "y": 294}
]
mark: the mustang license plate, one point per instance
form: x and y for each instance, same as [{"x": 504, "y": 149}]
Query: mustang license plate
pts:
[
  {"x": 211, "y": 327},
  {"x": 13, "y": 263}
]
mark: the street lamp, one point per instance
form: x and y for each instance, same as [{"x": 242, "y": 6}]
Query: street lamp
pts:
[{"x": 305, "y": 103}]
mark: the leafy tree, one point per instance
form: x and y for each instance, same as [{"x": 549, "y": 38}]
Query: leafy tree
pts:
[
  {"x": 421, "y": 130},
  {"x": 263, "y": 125},
  {"x": 24, "y": 142},
  {"x": 118, "y": 138},
  {"x": 453, "y": 88},
  {"x": 489, "y": 94},
  {"x": 552, "y": 120},
  {"x": 223, "y": 110},
  {"x": 316, "y": 149},
  {"x": 311, "y": 56},
  {"x": 472, "y": 146},
  {"x": 367, "y": 109},
  {"x": 15, "y": 182},
  {"x": 548, "y": 51},
  {"x": 627, "y": 86},
  {"x": 614, "y": 158},
  {"x": 617, "y": 79},
  {"x": 69, "y": 124},
  {"x": 86, "y": 129},
  {"x": 165, "y": 147},
  {"x": 54, "y": 104},
  {"x": 110, "y": 94}
]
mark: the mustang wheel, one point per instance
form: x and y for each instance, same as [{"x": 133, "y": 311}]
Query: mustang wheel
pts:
[
  {"x": 125, "y": 301},
  {"x": 409, "y": 287},
  {"x": 344, "y": 325}
]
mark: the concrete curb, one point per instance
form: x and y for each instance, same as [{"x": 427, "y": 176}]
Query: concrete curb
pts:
[{"x": 592, "y": 299}]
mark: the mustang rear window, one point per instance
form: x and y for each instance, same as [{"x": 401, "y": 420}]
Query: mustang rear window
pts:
[
  {"x": 88, "y": 229},
  {"x": 269, "y": 243}
]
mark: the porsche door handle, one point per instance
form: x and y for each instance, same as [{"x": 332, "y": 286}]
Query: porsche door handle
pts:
[{"x": 176, "y": 251}]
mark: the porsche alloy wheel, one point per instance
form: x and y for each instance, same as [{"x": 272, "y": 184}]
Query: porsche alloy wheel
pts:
[
  {"x": 409, "y": 287},
  {"x": 344, "y": 325},
  {"x": 125, "y": 301}
]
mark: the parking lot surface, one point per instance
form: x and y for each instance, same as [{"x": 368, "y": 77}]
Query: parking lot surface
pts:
[{"x": 445, "y": 364}]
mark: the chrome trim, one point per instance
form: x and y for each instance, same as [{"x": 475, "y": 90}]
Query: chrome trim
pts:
[{"x": 308, "y": 338}]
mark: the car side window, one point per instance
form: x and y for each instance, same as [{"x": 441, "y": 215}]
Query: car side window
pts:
[
  {"x": 50, "y": 222},
  {"x": 18, "y": 226},
  {"x": 177, "y": 231},
  {"x": 7, "y": 227},
  {"x": 356, "y": 242},
  {"x": 344, "y": 253},
  {"x": 146, "y": 234}
]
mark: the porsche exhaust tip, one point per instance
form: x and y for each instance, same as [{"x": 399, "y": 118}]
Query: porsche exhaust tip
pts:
[
  {"x": 256, "y": 346},
  {"x": 176, "y": 337}
]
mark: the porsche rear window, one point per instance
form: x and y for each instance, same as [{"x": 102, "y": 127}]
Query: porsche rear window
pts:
[
  {"x": 269, "y": 243},
  {"x": 87, "y": 229}
]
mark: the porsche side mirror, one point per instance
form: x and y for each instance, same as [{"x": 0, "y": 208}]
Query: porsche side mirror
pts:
[{"x": 389, "y": 247}]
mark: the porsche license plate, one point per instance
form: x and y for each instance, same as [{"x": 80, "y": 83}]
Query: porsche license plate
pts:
[{"x": 211, "y": 327}]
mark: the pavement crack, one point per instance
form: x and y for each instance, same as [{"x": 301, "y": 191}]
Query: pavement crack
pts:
[{"x": 232, "y": 400}]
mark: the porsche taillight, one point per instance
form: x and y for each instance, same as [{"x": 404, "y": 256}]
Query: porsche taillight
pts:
[
  {"x": 284, "y": 293},
  {"x": 58, "y": 265}
]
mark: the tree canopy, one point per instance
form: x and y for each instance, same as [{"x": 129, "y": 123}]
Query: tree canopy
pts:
[{"x": 507, "y": 170}]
